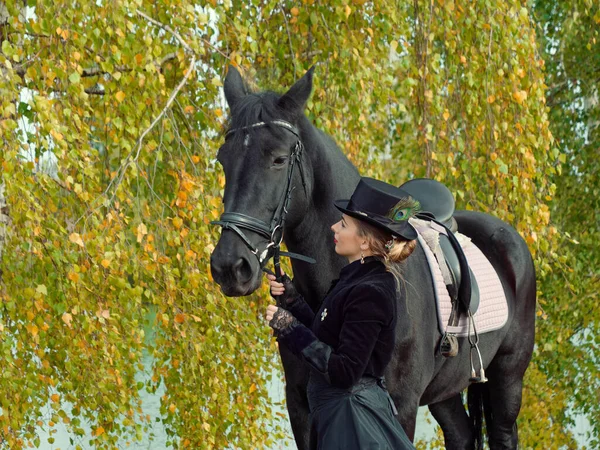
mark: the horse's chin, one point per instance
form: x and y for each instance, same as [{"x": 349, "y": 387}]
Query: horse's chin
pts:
[{"x": 241, "y": 290}]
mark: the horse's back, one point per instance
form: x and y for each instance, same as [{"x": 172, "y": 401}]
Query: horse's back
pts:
[
  {"x": 502, "y": 245},
  {"x": 509, "y": 255}
]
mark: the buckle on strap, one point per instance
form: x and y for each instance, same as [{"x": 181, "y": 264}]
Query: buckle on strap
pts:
[{"x": 381, "y": 384}]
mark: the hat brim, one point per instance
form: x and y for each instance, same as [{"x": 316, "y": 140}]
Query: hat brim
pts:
[{"x": 403, "y": 230}]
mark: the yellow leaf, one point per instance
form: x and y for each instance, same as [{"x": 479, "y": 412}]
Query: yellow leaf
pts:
[
  {"x": 56, "y": 135},
  {"x": 105, "y": 263},
  {"x": 75, "y": 238},
  {"x": 179, "y": 318},
  {"x": 347, "y": 11},
  {"x": 67, "y": 318},
  {"x": 206, "y": 426},
  {"x": 141, "y": 232},
  {"x": 99, "y": 431},
  {"x": 445, "y": 115},
  {"x": 196, "y": 318},
  {"x": 295, "y": 11},
  {"x": 105, "y": 313},
  {"x": 520, "y": 96},
  {"x": 252, "y": 388},
  {"x": 491, "y": 99},
  {"x": 172, "y": 408},
  {"x": 76, "y": 56},
  {"x": 120, "y": 96},
  {"x": 189, "y": 109},
  {"x": 73, "y": 276},
  {"x": 177, "y": 222},
  {"x": 187, "y": 186},
  {"x": 463, "y": 59},
  {"x": 55, "y": 398}
]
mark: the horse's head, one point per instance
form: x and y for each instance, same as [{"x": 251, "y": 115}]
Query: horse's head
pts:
[{"x": 262, "y": 159}]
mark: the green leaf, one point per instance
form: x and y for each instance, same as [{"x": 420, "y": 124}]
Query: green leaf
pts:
[{"x": 74, "y": 78}]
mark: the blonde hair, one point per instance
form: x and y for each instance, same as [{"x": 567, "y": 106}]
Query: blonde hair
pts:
[{"x": 391, "y": 251}]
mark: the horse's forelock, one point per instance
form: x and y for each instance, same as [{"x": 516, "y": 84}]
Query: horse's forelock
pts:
[{"x": 255, "y": 108}]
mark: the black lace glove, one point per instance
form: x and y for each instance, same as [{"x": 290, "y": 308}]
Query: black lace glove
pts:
[{"x": 283, "y": 322}]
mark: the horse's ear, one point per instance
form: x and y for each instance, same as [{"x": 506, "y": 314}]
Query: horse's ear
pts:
[
  {"x": 297, "y": 96},
  {"x": 233, "y": 86}
]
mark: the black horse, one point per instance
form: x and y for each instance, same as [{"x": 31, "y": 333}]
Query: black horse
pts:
[{"x": 261, "y": 144}]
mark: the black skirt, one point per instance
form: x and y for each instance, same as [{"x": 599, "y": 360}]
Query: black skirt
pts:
[{"x": 358, "y": 418}]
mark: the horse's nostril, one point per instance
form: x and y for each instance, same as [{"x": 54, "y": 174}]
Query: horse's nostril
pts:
[{"x": 241, "y": 269}]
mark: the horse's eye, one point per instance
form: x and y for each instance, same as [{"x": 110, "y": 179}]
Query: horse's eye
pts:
[{"x": 279, "y": 161}]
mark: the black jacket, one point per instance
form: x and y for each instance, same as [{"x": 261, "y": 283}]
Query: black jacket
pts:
[{"x": 352, "y": 334}]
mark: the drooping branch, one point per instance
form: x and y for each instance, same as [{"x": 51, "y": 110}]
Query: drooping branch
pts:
[
  {"x": 131, "y": 158},
  {"x": 184, "y": 44},
  {"x": 4, "y": 221}
]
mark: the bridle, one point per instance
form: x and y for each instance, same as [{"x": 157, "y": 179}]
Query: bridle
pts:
[{"x": 235, "y": 221}]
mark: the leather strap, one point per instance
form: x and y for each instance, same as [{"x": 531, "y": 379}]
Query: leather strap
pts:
[{"x": 248, "y": 222}]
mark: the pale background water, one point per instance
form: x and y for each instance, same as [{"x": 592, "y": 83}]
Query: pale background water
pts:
[
  {"x": 63, "y": 440},
  {"x": 157, "y": 438},
  {"x": 151, "y": 405}
]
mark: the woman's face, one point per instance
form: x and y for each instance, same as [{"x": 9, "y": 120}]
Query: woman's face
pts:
[{"x": 347, "y": 241}]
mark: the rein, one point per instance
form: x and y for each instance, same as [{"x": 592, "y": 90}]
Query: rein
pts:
[{"x": 237, "y": 222}]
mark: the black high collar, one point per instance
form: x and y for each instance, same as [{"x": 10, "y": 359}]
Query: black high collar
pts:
[{"x": 356, "y": 270}]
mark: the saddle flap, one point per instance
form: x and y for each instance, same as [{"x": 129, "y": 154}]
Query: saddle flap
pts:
[{"x": 468, "y": 296}]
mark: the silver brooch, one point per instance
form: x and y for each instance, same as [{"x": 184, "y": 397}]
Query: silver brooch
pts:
[{"x": 323, "y": 314}]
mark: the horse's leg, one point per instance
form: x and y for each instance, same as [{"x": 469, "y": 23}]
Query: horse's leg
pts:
[
  {"x": 458, "y": 430},
  {"x": 507, "y": 369},
  {"x": 296, "y": 380},
  {"x": 503, "y": 402}
]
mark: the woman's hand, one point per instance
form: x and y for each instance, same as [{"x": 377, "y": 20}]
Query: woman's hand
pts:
[
  {"x": 271, "y": 310},
  {"x": 280, "y": 320},
  {"x": 276, "y": 288},
  {"x": 285, "y": 293}
]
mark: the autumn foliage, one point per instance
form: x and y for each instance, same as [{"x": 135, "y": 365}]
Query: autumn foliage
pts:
[{"x": 110, "y": 117}]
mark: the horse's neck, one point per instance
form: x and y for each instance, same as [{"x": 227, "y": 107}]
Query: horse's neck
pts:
[{"x": 332, "y": 177}]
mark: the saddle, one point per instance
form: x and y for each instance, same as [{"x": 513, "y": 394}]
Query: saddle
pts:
[{"x": 437, "y": 206}]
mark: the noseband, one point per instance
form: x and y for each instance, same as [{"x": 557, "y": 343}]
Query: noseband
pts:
[{"x": 235, "y": 221}]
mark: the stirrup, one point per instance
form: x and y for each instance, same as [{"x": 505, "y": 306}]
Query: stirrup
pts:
[
  {"x": 449, "y": 345},
  {"x": 481, "y": 378}
]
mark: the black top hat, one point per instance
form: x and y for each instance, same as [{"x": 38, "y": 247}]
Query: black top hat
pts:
[{"x": 382, "y": 205}]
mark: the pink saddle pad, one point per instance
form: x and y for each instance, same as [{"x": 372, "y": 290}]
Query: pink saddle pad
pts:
[{"x": 492, "y": 313}]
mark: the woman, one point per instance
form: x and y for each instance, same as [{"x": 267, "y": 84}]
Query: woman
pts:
[{"x": 349, "y": 341}]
